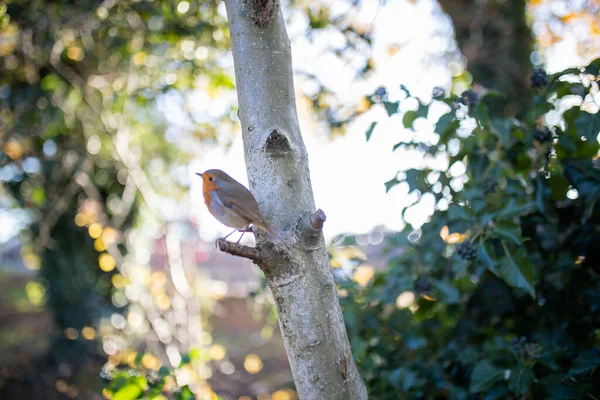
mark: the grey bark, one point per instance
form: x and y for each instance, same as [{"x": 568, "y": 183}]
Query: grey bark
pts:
[{"x": 300, "y": 279}]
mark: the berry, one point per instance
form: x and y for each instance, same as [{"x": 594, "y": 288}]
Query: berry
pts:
[
  {"x": 380, "y": 94},
  {"x": 468, "y": 98},
  {"x": 381, "y": 91},
  {"x": 422, "y": 285},
  {"x": 489, "y": 186},
  {"x": 543, "y": 135},
  {"x": 466, "y": 250},
  {"x": 538, "y": 78},
  {"x": 437, "y": 92}
]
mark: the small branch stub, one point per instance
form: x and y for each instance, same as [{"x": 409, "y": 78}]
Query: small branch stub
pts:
[
  {"x": 239, "y": 250},
  {"x": 317, "y": 219}
]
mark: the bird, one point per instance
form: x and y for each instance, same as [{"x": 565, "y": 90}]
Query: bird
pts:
[{"x": 232, "y": 204}]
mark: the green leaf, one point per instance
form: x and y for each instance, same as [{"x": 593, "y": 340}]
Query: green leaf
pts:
[
  {"x": 593, "y": 67},
  {"x": 410, "y": 116},
  {"x": 501, "y": 128},
  {"x": 588, "y": 125},
  {"x": 482, "y": 115},
  {"x": 456, "y": 212},
  {"x": 520, "y": 380},
  {"x": 132, "y": 390},
  {"x": 391, "y": 107},
  {"x": 163, "y": 371},
  {"x": 370, "y": 130},
  {"x": 445, "y": 292},
  {"x": 514, "y": 209},
  {"x": 586, "y": 361},
  {"x": 486, "y": 256},
  {"x": 559, "y": 185},
  {"x": 390, "y": 184},
  {"x": 446, "y": 125},
  {"x": 484, "y": 376},
  {"x": 508, "y": 231},
  {"x": 184, "y": 394},
  {"x": 519, "y": 275},
  {"x": 185, "y": 360},
  {"x": 403, "y": 378}
]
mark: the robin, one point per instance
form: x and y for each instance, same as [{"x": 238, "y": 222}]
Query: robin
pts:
[{"x": 232, "y": 204}]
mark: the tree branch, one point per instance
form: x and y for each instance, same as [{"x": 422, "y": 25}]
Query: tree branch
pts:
[{"x": 239, "y": 250}]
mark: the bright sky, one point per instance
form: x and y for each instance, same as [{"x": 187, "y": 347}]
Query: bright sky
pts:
[{"x": 348, "y": 174}]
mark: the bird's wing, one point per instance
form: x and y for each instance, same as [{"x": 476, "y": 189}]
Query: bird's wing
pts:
[{"x": 246, "y": 206}]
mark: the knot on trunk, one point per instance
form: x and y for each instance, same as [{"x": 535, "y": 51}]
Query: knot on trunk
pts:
[
  {"x": 260, "y": 11},
  {"x": 277, "y": 144}
]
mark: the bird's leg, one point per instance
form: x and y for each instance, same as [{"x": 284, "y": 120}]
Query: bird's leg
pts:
[
  {"x": 243, "y": 231},
  {"x": 230, "y": 234}
]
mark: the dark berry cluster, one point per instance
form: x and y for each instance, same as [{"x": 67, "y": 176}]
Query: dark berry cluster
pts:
[
  {"x": 539, "y": 79},
  {"x": 489, "y": 186},
  {"x": 437, "y": 92},
  {"x": 528, "y": 350},
  {"x": 466, "y": 250},
  {"x": 468, "y": 98},
  {"x": 543, "y": 135},
  {"x": 422, "y": 286},
  {"x": 381, "y": 94}
]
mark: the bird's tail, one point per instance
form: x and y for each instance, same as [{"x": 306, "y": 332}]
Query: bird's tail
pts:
[{"x": 267, "y": 227}]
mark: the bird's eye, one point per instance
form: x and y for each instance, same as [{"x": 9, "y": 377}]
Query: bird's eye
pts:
[{"x": 211, "y": 178}]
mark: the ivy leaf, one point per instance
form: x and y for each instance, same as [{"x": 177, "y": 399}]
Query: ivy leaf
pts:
[
  {"x": 391, "y": 107},
  {"x": 370, "y": 130},
  {"x": 588, "y": 125},
  {"x": 519, "y": 275},
  {"x": 501, "y": 128},
  {"x": 508, "y": 231},
  {"x": 456, "y": 212},
  {"x": 586, "y": 361},
  {"x": 484, "y": 376},
  {"x": 447, "y": 126},
  {"x": 486, "y": 256},
  {"x": 520, "y": 380},
  {"x": 390, "y": 184},
  {"x": 445, "y": 292},
  {"x": 410, "y": 116},
  {"x": 514, "y": 209},
  {"x": 593, "y": 67}
]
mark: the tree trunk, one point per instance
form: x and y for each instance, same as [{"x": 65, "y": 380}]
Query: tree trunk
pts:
[
  {"x": 494, "y": 37},
  {"x": 277, "y": 164}
]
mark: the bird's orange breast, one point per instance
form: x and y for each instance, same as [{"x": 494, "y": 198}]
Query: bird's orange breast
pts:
[{"x": 207, "y": 188}]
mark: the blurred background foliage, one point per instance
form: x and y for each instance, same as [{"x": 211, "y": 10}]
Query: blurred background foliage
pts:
[{"x": 103, "y": 104}]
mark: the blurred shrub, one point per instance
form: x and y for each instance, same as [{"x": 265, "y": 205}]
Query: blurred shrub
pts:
[{"x": 498, "y": 296}]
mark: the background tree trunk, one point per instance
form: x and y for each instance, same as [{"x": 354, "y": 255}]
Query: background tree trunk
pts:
[
  {"x": 496, "y": 40},
  {"x": 277, "y": 164}
]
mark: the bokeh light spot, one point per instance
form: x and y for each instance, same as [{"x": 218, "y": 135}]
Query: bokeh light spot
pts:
[
  {"x": 107, "y": 262},
  {"x": 217, "y": 352},
  {"x": 253, "y": 364},
  {"x": 95, "y": 230}
]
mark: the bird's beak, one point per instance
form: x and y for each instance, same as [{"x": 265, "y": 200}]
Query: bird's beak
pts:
[{"x": 199, "y": 174}]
